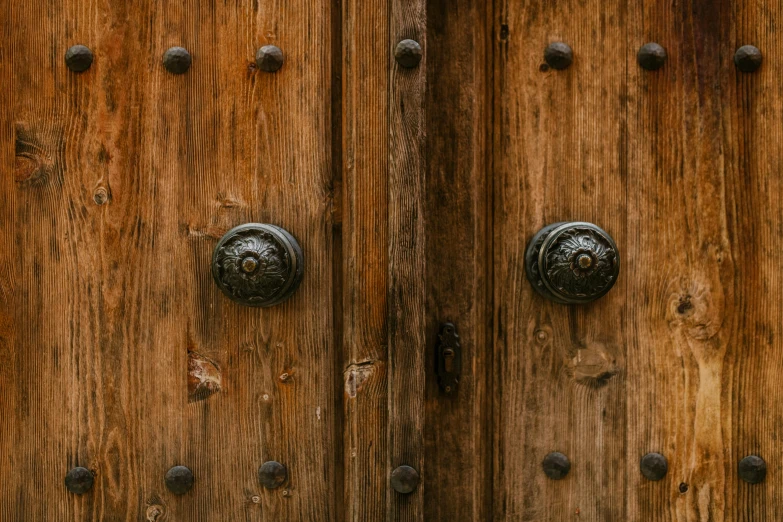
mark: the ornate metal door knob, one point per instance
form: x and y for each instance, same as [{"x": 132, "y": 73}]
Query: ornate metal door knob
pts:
[
  {"x": 572, "y": 263},
  {"x": 257, "y": 264}
]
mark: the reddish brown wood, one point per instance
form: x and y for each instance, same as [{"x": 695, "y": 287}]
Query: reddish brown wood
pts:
[
  {"x": 365, "y": 257},
  {"x": 703, "y": 351},
  {"x": 559, "y": 154},
  {"x": 126, "y": 176},
  {"x": 407, "y": 257}
]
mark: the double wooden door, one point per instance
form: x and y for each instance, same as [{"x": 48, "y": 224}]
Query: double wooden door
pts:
[{"x": 413, "y": 192}]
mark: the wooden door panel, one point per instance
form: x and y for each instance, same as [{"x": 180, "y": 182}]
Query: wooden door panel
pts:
[
  {"x": 559, "y": 155},
  {"x": 126, "y": 176}
]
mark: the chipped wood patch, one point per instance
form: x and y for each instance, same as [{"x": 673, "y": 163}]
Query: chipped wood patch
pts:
[{"x": 204, "y": 377}]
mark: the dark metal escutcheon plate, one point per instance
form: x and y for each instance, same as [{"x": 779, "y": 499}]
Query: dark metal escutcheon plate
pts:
[
  {"x": 257, "y": 264},
  {"x": 572, "y": 262}
]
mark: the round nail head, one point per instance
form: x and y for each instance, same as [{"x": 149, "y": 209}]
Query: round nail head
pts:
[
  {"x": 654, "y": 466},
  {"x": 651, "y": 56},
  {"x": 78, "y": 58},
  {"x": 404, "y": 479},
  {"x": 752, "y": 469},
  {"x": 177, "y": 60},
  {"x": 179, "y": 480},
  {"x": 408, "y": 53},
  {"x": 747, "y": 58},
  {"x": 269, "y": 58},
  {"x": 558, "y": 55},
  {"x": 79, "y": 480},
  {"x": 556, "y": 465},
  {"x": 272, "y": 474}
]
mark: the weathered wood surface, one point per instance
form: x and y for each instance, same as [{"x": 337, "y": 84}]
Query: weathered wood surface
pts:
[
  {"x": 559, "y": 155},
  {"x": 458, "y": 433},
  {"x": 383, "y": 258},
  {"x": 126, "y": 176},
  {"x": 413, "y": 194},
  {"x": 704, "y": 164},
  {"x": 365, "y": 257}
]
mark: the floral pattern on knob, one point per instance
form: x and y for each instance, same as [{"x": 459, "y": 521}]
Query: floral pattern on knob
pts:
[
  {"x": 573, "y": 262},
  {"x": 258, "y": 264}
]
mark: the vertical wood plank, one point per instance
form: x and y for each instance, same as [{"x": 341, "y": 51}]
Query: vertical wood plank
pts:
[
  {"x": 754, "y": 114},
  {"x": 365, "y": 248},
  {"x": 559, "y": 154},
  {"x": 458, "y": 424},
  {"x": 407, "y": 256},
  {"x": 689, "y": 243},
  {"x": 8, "y": 267}
]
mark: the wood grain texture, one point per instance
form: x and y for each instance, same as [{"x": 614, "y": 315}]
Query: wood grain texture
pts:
[
  {"x": 458, "y": 424},
  {"x": 9, "y": 397},
  {"x": 126, "y": 176},
  {"x": 706, "y": 156},
  {"x": 755, "y": 217},
  {"x": 407, "y": 257},
  {"x": 365, "y": 250},
  {"x": 559, "y": 154}
]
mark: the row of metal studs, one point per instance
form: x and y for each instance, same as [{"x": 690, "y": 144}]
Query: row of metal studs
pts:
[
  {"x": 654, "y": 466},
  {"x": 179, "y": 479},
  {"x": 651, "y": 56},
  {"x": 269, "y": 58}
]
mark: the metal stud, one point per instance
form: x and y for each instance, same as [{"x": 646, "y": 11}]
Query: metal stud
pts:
[
  {"x": 79, "y": 480},
  {"x": 556, "y": 465},
  {"x": 269, "y": 58},
  {"x": 558, "y": 55},
  {"x": 177, "y": 60},
  {"x": 78, "y": 58},
  {"x": 747, "y": 58},
  {"x": 272, "y": 474},
  {"x": 179, "y": 480},
  {"x": 654, "y": 466},
  {"x": 408, "y": 53},
  {"x": 752, "y": 469},
  {"x": 651, "y": 56},
  {"x": 404, "y": 479}
]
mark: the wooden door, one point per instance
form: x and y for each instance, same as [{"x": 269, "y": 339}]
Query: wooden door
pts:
[{"x": 413, "y": 191}]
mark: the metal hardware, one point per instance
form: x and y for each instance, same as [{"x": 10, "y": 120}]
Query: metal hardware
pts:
[
  {"x": 752, "y": 469},
  {"x": 179, "y": 480},
  {"x": 78, "y": 58},
  {"x": 651, "y": 56},
  {"x": 257, "y": 264},
  {"x": 556, "y": 465},
  {"x": 177, "y": 60},
  {"x": 747, "y": 58},
  {"x": 448, "y": 358},
  {"x": 654, "y": 466},
  {"x": 408, "y": 53},
  {"x": 572, "y": 262},
  {"x": 79, "y": 480},
  {"x": 269, "y": 58},
  {"x": 404, "y": 479},
  {"x": 272, "y": 474},
  {"x": 558, "y": 55}
]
